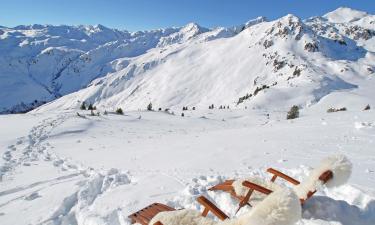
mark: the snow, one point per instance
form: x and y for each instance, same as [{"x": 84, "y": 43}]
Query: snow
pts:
[
  {"x": 286, "y": 62},
  {"x": 123, "y": 69},
  {"x": 344, "y": 15},
  {"x": 62, "y": 165},
  {"x": 106, "y": 167}
]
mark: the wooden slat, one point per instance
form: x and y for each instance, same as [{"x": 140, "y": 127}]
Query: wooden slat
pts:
[
  {"x": 158, "y": 223},
  {"x": 211, "y": 207},
  {"x": 145, "y": 215},
  {"x": 256, "y": 187},
  {"x": 282, "y": 175},
  {"x": 164, "y": 207},
  {"x": 140, "y": 219}
]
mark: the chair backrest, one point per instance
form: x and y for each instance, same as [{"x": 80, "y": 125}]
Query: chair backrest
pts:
[{"x": 323, "y": 178}]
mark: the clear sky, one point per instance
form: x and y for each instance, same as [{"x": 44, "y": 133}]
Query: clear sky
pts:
[{"x": 136, "y": 15}]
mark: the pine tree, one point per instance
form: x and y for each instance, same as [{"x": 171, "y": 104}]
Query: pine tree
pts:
[
  {"x": 149, "y": 107},
  {"x": 119, "y": 111},
  {"x": 293, "y": 113},
  {"x": 83, "y": 106}
]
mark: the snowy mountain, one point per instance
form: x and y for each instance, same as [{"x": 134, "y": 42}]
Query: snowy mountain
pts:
[
  {"x": 39, "y": 63},
  {"x": 288, "y": 60},
  {"x": 62, "y": 165},
  {"x": 272, "y": 64}
]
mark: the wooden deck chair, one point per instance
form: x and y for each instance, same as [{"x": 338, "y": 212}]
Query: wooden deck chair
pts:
[
  {"x": 145, "y": 215},
  {"x": 280, "y": 207},
  {"x": 335, "y": 168}
]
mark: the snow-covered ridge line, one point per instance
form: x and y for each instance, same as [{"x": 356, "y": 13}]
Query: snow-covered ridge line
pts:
[{"x": 40, "y": 63}]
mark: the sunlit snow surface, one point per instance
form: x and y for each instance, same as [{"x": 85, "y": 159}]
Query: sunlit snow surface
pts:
[{"x": 59, "y": 168}]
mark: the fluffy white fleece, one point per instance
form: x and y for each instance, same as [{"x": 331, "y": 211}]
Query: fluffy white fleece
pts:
[
  {"x": 282, "y": 207},
  {"x": 338, "y": 164}
]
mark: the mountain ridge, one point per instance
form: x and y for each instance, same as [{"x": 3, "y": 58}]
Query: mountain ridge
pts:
[{"x": 135, "y": 55}]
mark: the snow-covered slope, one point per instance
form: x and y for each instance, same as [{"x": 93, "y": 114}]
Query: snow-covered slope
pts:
[
  {"x": 39, "y": 63},
  {"x": 61, "y": 168},
  {"x": 288, "y": 60},
  {"x": 272, "y": 64}
]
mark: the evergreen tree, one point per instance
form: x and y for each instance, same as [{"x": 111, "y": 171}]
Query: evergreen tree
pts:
[
  {"x": 293, "y": 113},
  {"x": 91, "y": 107},
  {"x": 119, "y": 111},
  {"x": 149, "y": 107},
  {"x": 83, "y": 106}
]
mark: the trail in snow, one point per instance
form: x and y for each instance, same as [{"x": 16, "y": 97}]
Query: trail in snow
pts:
[
  {"x": 63, "y": 169},
  {"x": 35, "y": 147}
]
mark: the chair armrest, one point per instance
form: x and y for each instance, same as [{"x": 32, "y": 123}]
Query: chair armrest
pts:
[
  {"x": 256, "y": 187},
  {"x": 252, "y": 187},
  {"x": 326, "y": 176},
  {"x": 209, "y": 206},
  {"x": 277, "y": 173}
]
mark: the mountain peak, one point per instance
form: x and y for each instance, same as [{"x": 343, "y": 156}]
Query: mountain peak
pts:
[
  {"x": 193, "y": 27},
  {"x": 255, "y": 21},
  {"x": 290, "y": 18},
  {"x": 344, "y": 15}
]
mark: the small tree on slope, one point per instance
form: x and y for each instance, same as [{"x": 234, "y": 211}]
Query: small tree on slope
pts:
[
  {"x": 149, "y": 107},
  {"x": 119, "y": 111},
  {"x": 83, "y": 106},
  {"x": 293, "y": 113}
]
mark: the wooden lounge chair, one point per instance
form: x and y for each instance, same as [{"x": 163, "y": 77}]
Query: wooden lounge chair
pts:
[
  {"x": 227, "y": 186},
  {"x": 145, "y": 215},
  {"x": 333, "y": 171},
  {"x": 282, "y": 204}
]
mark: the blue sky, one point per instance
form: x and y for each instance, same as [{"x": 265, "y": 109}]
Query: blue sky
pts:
[{"x": 149, "y": 14}]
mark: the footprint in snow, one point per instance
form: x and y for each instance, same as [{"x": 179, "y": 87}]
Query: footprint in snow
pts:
[
  {"x": 281, "y": 160},
  {"x": 32, "y": 196}
]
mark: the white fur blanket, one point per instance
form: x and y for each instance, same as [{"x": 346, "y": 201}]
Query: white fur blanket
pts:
[
  {"x": 281, "y": 207},
  {"x": 338, "y": 164}
]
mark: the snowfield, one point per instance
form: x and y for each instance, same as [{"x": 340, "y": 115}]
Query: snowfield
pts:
[
  {"x": 61, "y": 165},
  {"x": 69, "y": 169}
]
